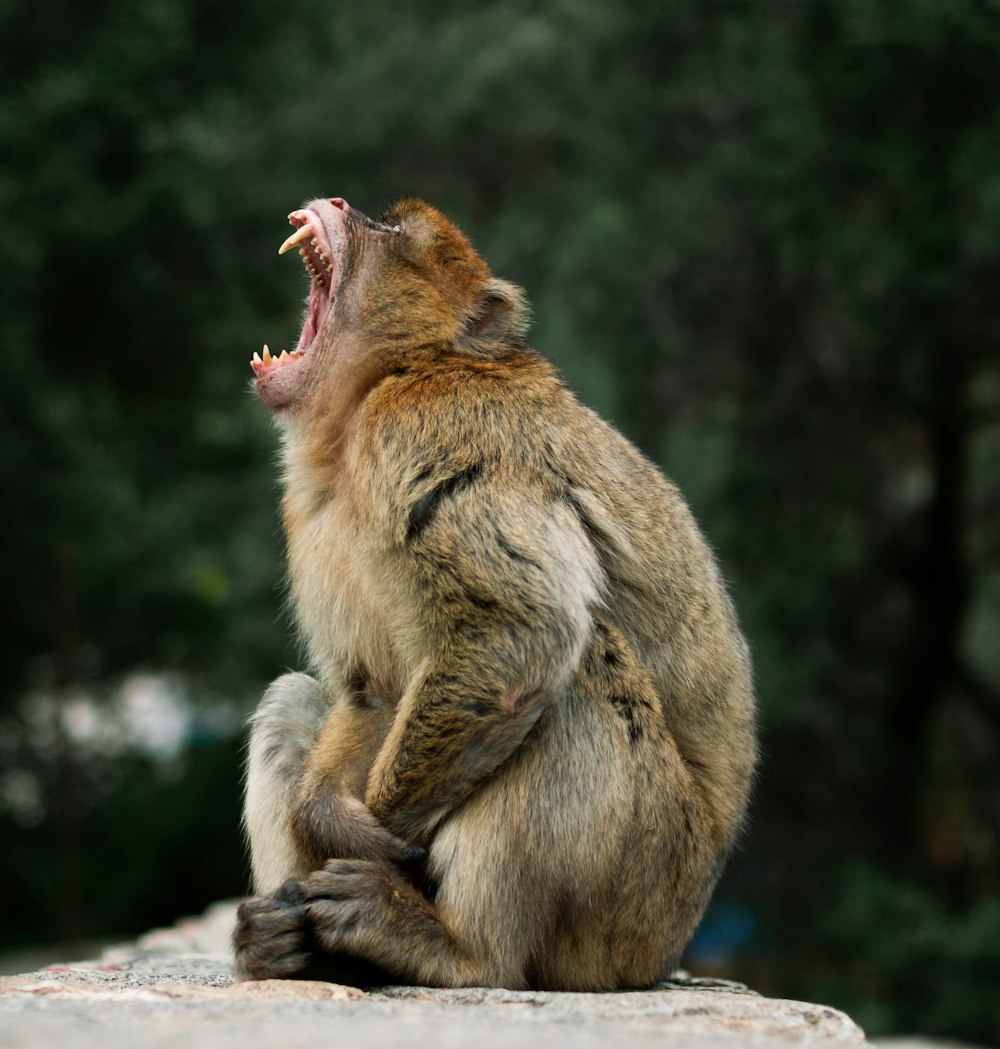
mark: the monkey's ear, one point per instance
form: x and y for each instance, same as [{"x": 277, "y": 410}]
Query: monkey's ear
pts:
[{"x": 502, "y": 315}]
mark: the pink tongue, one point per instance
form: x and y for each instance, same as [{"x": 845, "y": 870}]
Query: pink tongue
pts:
[{"x": 319, "y": 307}]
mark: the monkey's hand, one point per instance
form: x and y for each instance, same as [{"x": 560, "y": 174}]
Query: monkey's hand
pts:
[
  {"x": 331, "y": 824},
  {"x": 355, "y": 911},
  {"x": 271, "y": 939},
  {"x": 505, "y": 582}
]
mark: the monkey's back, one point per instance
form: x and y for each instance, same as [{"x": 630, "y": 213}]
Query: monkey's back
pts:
[{"x": 665, "y": 592}]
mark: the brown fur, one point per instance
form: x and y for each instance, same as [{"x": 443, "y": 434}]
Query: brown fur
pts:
[{"x": 534, "y": 673}]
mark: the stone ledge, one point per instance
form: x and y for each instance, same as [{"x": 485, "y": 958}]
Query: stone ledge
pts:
[{"x": 176, "y": 986}]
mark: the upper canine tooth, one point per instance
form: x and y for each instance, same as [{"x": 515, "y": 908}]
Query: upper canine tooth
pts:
[
  {"x": 297, "y": 237},
  {"x": 267, "y": 354}
]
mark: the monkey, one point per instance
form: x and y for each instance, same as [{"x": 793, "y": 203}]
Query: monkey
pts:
[{"x": 527, "y": 742}]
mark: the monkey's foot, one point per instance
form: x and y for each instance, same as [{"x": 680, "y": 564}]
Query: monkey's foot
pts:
[
  {"x": 352, "y": 922},
  {"x": 350, "y": 900},
  {"x": 371, "y": 913},
  {"x": 271, "y": 939}
]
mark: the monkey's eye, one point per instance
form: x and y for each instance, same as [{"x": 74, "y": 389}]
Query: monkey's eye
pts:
[{"x": 380, "y": 225}]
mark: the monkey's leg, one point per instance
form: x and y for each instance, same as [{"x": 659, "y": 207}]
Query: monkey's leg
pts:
[
  {"x": 583, "y": 864},
  {"x": 371, "y": 913},
  {"x": 306, "y": 768},
  {"x": 507, "y": 863},
  {"x": 535, "y": 844},
  {"x": 304, "y": 760},
  {"x": 274, "y": 939},
  {"x": 282, "y": 732}
]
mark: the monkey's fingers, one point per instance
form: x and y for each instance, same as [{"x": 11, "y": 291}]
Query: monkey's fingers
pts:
[
  {"x": 340, "y": 925},
  {"x": 371, "y": 911},
  {"x": 338, "y": 880},
  {"x": 338, "y": 901},
  {"x": 270, "y": 940},
  {"x": 381, "y": 843}
]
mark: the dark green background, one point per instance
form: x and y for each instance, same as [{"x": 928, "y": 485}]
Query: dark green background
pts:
[{"x": 762, "y": 236}]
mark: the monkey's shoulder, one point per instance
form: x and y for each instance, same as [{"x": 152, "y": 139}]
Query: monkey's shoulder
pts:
[
  {"x": 453, "y": 415},
  {"x": 456, "y": 400},
  {"x": 467, "y": 435},
  {"x": 451, "y": 411}
]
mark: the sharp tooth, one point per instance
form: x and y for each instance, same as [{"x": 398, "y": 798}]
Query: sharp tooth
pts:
[
  {"x": 267, "y": 354},
  {"x": 284, "y": 355},
  {"x": 297, "y": 237},
  {"x": 256, "y": 359}
]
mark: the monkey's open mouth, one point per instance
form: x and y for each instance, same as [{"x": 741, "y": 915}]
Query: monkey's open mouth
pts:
[{"x": 321, "y": 262}]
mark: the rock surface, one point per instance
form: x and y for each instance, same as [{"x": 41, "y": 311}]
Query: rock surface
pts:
[{"x": 176, "y": 987}]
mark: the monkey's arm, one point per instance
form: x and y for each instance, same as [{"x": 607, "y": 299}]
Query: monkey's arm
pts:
[
  {"x": 505, "y": 581},
  {"x": 329, "y": 818}
]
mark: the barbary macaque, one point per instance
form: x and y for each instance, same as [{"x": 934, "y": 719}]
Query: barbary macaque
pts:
[{"x": 529, "y": 740}]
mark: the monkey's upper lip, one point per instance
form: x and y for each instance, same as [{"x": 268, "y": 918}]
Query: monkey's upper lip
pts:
[{"x": 319, "y": 260}]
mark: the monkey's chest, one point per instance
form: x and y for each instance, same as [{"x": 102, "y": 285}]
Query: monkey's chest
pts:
[{"x": 351, "y": 604}]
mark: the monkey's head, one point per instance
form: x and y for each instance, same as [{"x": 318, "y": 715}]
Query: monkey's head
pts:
[{"x": 410, "y": 280}]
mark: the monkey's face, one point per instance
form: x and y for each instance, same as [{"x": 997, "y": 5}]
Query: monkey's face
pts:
[{"x": 377, "y": 287}]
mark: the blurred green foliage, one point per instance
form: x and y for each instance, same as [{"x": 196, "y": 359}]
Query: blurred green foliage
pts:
[
  {"x": 762, "y": 237},
  {"x": 921, "y": 961}
]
